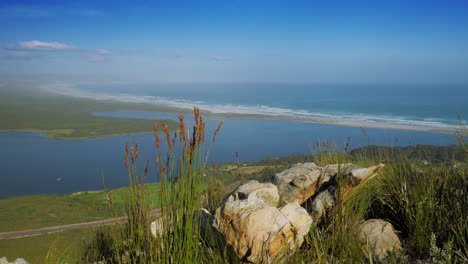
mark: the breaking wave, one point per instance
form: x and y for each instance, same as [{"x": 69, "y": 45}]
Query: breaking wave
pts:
[{"x": 264, "y": 110}]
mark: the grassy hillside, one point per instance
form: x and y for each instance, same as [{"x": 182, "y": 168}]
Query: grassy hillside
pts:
[
  {"x": 63, "y": 247},
  {"x": 37, "y": 211}
]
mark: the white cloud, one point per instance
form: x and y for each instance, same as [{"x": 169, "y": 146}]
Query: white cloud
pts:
[
  {"x": 19, "y": 55},
  {"x": 36, "y": 45},
  {"x": 219, "y": 58},
  {"x": 103, "y": 51}
]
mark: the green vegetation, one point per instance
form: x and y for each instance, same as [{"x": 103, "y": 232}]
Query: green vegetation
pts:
[
  {"x": 65, "y": 117},
  {"x": 38, "y": 211},
  {"x": 423, "y": 201},
  {"x": 63, "y": 247},
  {"x": 421, "y": 190}
]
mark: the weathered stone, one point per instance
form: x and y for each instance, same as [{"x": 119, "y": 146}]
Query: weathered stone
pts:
[
  {"x": 4, "y": 260},
  {"x": 362, "y": 174},
  {"x": 301, "y": 181},
  {"x": 264, "y": 222},
  {"x": 320, "y": 204},
  {"x": 257, "y": 230},
  {"x": 157, "y": 226},
  {"x": 163, "y": 224},
  {"x": 380, "y": 237}
]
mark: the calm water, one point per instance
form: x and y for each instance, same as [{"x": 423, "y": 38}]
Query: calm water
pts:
[{"x": 31, "y": 163}]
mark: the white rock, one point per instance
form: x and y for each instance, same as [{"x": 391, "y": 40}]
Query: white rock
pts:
[
  {"x": 258, "y": 231},
  {"x": 4, "y": 260},
  {"x": 380, "y": 236},
  {"x": 301, "y": 181}
]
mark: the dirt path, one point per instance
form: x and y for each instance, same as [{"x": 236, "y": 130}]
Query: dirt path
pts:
[{"x": 60, "y": 228}]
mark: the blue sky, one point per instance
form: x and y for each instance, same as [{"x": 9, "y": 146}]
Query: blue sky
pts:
[{"x": 236, "y": 41}]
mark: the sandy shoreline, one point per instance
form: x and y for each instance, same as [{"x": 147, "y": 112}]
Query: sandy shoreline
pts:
[
  {"x": 348, "y": 123},
  {"x": 214, "y": 111},
  {"x": 370, "y": 125}
]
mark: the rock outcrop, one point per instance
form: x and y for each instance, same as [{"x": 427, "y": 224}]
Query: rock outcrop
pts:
[
  {"x": 380, "y": 236},
  {"x": 301, "y": 181},
  {"x": 258, "y": 230},
  {"x": 265, "y": 223}
]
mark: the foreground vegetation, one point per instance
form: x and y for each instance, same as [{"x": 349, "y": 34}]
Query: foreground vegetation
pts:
[
  {"x": 422, "y": 191},
  {"x": 426, "y": 202},
  {"x": 423, "y": 196}
]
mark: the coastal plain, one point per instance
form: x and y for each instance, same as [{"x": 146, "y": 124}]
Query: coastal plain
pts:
[
  {"x": 63, "y": 117},
  {"x": 71, "y": 117}
]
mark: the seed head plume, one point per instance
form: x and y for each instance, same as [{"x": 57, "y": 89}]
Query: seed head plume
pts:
[
  {"x": 134, "y": 153},
  {"x": 193, "y": 140},
  {"x": 201, "y": 131},
  {"x": 196, "y": 113},
  {"x": 155, "y": 133},
  {"x": 217, "y": 130},
  {"x": 168, "y": 136},
  {"x": 183, "y": 138},
  {"x": 126, "y": 157}
]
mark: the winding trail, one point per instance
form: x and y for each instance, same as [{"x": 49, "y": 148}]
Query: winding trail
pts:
[{"x": 60, "y": 228}]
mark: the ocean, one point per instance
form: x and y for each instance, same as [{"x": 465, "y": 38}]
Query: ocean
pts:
[{"x": 435, "y": 106}]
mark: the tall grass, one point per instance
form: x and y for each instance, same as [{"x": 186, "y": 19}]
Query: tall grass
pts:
[
  {"x": 422, "y": 201},
  {"x": 182, "y": 183}
]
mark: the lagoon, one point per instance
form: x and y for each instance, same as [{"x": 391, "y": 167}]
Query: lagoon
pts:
[{"x": 31, "y": 163}]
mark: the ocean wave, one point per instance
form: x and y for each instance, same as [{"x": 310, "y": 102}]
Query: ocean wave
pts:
[{"x": 264, "y": 110}]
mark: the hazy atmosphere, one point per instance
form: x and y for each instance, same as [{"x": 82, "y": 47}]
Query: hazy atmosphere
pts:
[{"x": 241, "y": 131}]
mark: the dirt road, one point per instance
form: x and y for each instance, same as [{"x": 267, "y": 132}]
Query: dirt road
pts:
[{"x": 53, "y": 229}]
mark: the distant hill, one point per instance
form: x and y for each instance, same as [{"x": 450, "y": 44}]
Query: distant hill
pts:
[{"x": 430, "y": 153}]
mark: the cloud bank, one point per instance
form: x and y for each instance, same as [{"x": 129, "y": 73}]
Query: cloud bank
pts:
[{"x": 36, "y": 45}]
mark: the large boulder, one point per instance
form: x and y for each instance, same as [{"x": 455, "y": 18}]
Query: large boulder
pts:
[
  {"x": 265, "y": 223},
  {"x": 380, "y": 237},
  {"x": 257, "y": 229},
  {"x": 301, "y": 181}
]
